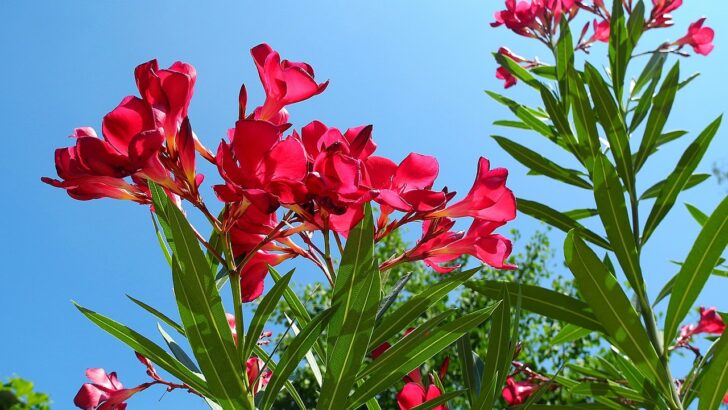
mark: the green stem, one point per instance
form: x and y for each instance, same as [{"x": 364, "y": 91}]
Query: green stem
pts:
[{"x": 327, "y": 256}]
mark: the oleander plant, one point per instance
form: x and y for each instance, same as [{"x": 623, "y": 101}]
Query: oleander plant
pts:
[{"x": 376, "y": 329}]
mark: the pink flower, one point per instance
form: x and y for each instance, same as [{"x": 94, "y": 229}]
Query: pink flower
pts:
[
  {"x": 285, "y": 82},
  {"x": 105, "y": 392},
  {"x": 660, "y": 15},
  {"x": 489, "y": 198},
  {"x": 519, "y": 17},
  {"x": 698, "y": 37},
  {"x": 710, "y": 322},
  {"x": 518, "y": 392},
  {"x": 261, "y": 167},
  {"x": 258, "y": 376},
  {"x": 601, "y": 31},
  {"x": 439, "y": 245},
  {"x": 405, "y": 187},
  {"x": 415, "y": 394}
]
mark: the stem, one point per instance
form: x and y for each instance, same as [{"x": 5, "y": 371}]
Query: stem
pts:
[{"x": 327, "y": 256}]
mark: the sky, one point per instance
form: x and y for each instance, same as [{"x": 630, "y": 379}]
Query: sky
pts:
[{"x": 416, "y": 69}]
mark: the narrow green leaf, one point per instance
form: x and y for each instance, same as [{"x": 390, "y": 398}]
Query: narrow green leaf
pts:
[
  {"x": 693, "y": 275},
  {"x": 262, "y": 313},
  {"x": 644, "y": 105},
  {"x": 564, "y": 62},
  {"x": 392, "y": 296},
  {"x": 669, "y": 136},
  {"x": 679, "y": 178},
  {"x": 652, "y": 70},
  {"x": 609, "y": 196},
  {"x": 584, "y": 121},
  {"x": 561, "y": 122},
  {"x": 471, "y": 381},
  {"x": 148, "y": 349},
  {"x": 540, "y": 164},
  {"x": 658, "y": 116},
  {"x": 613, "y": 309},
  {"x": 714, "y": 379},
  {"x": 577, "y": 214},
  {"x": 545, "y": 71},
  {"x": 570, "y": 333},
  {"x": 542, "y": 301},
  {"x": 518, "y": 71},
  {"x": 498, "y": 356},
  {"x": 201, "y": 309},
  {"x": 401, "y": 318},
  {"x": 159, "y": 315},
  {"x": 697, "y": 214},
  {"x": 590, "y": 389},
  {"x": 512, "y": 124},
  {"x": 413, "y": 350},
  {"x": 177, "y": 350},
  {"x": 654, "y": 191},
  {"x": 614, "y": 126},
  {"x": 559, "y": 220},
  {"x": 292, "y": 356},
  {"x": 620, "y": 48},
  {"x": 356, "y": 298},
  {"x": 636, "y": 24},
  {"x": 634, "y": 376},
  {"x": 525, "y": 115}
]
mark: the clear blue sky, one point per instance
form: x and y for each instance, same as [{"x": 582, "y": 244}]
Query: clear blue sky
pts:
[{"x": 415, "y": 69}]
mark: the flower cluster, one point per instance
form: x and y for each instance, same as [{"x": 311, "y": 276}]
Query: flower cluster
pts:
[
  {"x": 319, "y": 176},
  {"x": 539, "y": 19},
  {"x": 710, "y": 323}
]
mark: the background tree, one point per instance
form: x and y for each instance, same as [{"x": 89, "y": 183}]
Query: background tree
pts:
[{"x": 19, "y": 394}]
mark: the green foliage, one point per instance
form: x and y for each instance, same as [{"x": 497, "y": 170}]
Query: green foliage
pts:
[
  {"x": 20, "y": 394},
  {"x": 536, "y": 332}
]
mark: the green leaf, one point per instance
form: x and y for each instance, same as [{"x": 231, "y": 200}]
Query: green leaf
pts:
[
  {"x": 542, "y": 301},
  {"x": 636, "y": 24},
  {"x": 569, "y": 333},
  {"x": 392, "y": 296},
  {"x": 658, "y": 116},
  {"x": 693, "y": 275},
  {"x": 540, "y": 164},
  {"x": 177, "y": 350},
  {"x": 498, "y": 357},
  {"x": 356, "y": 298},
  {"x": 610, "y": 390},
  {"x": 148, "y": 349},
  {"x": 714, "y": 379},
  {"x": 564, "y": 62},
  {"x": 262, "y": 313},
  {"x": 614, "y": 126},
  {"x": 652, "y": 70},
  {"x": 669, "y": 136},
  {"x": 413, "y": 350},
  {"x": 613, "y": 309},
  {"x": 512, "y": 124},
  {"x": 159, "y": 315},
  {"x": 545, "y": 71},
  {"x": 697, "y": 214},
  {"x": 526, "y": 115},
  {"x": 471, "y": 379},
  {"x": 620, "y": 48},
  {"x": 634, "y": 376},
  {"x": 679, "y": 178},
  {"x": 437, "y": 401},
  {"x": 654, "y": 191},
  {"x": 558, "y": 220},
  {"x": 584, "y": 122},
  {"x": 201, "y": 309},
  {"x": 518, "y": 71},
  {"x": 292, "y": 356},
  {"x": 577, "y": 214},
  {"x": 560, "y": 119},
  {"x": 609, "y": 197},
  {"x": 398, "y": 320}
]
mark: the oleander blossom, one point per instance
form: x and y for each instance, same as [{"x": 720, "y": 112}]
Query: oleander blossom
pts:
[
  {"x": 698, "y": 37},
  {"x": 279, "y": 184},
  {"x": 518, "y": 392}
]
